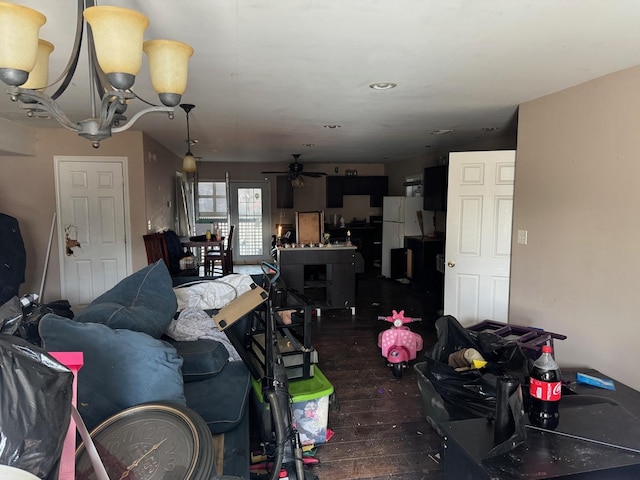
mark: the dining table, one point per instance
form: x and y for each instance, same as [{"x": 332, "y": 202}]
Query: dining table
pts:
[{"x": 200, "y": 247}]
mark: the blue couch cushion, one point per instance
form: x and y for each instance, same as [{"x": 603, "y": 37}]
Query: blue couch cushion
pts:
[
  {"x": 202, "y": 359},
  {"x": 143, "y": 302},
  {"x": 122, "y": 368},
  {"x": 221, "y": 401}
]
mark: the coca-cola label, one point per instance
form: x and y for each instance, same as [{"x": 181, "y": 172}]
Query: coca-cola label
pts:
[{"x": 549, "y": 391}]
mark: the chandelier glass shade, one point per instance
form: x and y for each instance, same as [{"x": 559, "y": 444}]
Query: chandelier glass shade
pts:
[
  {"x": 39, "y": 76},
  {"x": 297, "y": 182},
  {"x": 189, "y": 163},
  {"x": 115, "y": 49}
]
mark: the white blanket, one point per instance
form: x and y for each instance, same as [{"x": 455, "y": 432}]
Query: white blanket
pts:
[
  {"x": 193, "y": 324},
  {"x": 212, "y": 294}
]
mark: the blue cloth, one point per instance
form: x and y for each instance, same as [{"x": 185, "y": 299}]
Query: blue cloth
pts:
[
  {"x": 13, "y": 258},
  {"x": 174, "y": 249}
]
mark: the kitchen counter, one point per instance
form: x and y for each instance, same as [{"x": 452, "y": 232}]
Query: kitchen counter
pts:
[
  {"x": 325, "y": 275},
  {"x": 338, "y": 246},
  {"x": 418, "y": 238}
]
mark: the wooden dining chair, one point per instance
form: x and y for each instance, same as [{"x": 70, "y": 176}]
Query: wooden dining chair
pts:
[
  {"x": 219, "y": 261},
  {"x": 157, "y": 248}
]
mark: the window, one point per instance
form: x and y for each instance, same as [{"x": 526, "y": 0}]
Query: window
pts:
[{"x": 212, "y": 202}]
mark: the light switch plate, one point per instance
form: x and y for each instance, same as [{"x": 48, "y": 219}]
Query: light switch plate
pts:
[{"x": 522, "y": 237}]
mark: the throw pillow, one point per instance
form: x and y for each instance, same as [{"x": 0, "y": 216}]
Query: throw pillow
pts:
[
  {"x": 143, "y": 302},
  {"x": 122, "y": 368},
  {"x": 201, "y": 359}
]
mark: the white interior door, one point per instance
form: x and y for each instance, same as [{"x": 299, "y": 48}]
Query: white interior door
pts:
[
  {"x": 250, "y": 212},
  {"x": 478, "y": 245},
  {"x": 92, "y": 225}
]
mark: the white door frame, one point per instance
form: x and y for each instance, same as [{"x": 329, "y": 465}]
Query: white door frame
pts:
[{"x": 57, "y": 159}]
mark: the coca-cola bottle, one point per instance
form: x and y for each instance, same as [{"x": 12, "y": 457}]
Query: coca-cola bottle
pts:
[{"x": 545, "y": 389}]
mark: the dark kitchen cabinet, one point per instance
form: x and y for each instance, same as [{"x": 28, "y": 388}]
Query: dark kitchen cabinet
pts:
[
  {"x": 284, "y": 192},
  {"x": 434, "y": 189},
  {"x": 334, "y": 186},
  {"x": 424, "y": 272},
  {"x": 376, "y": 187}
]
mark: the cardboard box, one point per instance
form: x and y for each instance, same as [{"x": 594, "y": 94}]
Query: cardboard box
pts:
[{"x": 242, "y": 305}]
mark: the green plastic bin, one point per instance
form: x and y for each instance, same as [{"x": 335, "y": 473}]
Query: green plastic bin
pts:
[{"x": 310, "y": 407}]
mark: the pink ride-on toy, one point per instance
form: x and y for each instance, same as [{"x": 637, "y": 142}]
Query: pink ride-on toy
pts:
[{"x": 399, "y": 344}]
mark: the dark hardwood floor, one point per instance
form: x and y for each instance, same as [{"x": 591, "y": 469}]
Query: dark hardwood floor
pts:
[{"x": 379, "y": 430}]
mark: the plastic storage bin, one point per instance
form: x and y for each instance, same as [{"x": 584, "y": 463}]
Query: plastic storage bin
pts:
[{"x": 310, "y": 407}]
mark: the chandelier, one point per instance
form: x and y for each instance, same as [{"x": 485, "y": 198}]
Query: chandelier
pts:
[{"x": 115, "y": 46}]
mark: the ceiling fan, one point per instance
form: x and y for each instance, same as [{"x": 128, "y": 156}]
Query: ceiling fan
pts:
[{"x": 296, "y": 169}]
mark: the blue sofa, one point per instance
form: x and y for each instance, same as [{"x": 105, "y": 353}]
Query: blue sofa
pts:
[{"x": 128, "y": 360}]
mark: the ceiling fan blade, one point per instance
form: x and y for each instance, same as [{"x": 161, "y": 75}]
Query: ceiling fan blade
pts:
[
  {"x": 313, "y": 174},
  {"x": 275, "y": 172}
]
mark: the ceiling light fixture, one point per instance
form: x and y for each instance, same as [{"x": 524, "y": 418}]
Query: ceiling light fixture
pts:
[
  {"x": 383, "y": 85},
  {"x": 443, "y": 131},
  {"x": 332, "y": 126},
  {"x": 297, "y": 182},
  {"x": 189, "y": 161},
  {"x": 115, "y": 46}
]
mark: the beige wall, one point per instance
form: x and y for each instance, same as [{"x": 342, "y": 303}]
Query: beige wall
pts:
[
  {"x": 160, "y": 168},
  {"x": 27, "y": 192},
  {"x": 576, "y": 194}
]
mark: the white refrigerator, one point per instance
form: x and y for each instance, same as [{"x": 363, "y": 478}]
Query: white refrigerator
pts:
[{"x": 399, "y": 219}]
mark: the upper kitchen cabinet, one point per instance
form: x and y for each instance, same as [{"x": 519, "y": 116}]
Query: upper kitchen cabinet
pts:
[
  {"x": 376, "y": 187},
  {"x": 434, "y": 189},
  {"x": 284, "y": 192}
]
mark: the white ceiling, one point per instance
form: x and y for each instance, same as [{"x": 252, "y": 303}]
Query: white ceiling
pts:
[{"x": 268, "y": 76}]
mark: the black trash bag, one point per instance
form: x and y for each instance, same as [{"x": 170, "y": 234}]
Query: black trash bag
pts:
[
  {"x": 10, "y": 316},
  {"x": 465, "y": 395},
  {"x": 21, "y": 316},
  {"x": 32, "y": 316},
  {"x": 35, "y": 394},
  {"x": 472, "y": 393}
]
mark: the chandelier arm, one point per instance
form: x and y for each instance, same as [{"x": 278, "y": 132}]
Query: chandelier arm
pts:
[
  {"x": 109, "y": 108},
  {"x": 139, "y": 114},
  {"x": 96, "y": 74},
  {"x": 29, "y": 98},
  {"x": 70, "y": 69}
]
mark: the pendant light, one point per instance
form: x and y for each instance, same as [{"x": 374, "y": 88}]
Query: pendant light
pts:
[{"x": 189, "y": 161}]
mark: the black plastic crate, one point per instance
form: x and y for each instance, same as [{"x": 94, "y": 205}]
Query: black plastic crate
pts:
[{"x": 530, "y": 339}]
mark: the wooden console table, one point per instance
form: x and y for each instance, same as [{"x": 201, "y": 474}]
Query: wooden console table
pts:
[{"x": 324, "y": 274}]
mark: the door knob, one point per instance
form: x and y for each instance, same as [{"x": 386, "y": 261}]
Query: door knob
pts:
[{"x": 451, "y": 264}]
